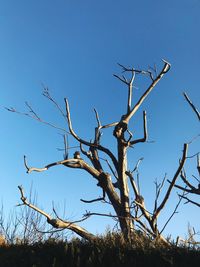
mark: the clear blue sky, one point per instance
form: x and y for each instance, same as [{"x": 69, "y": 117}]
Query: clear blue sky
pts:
[{"x": 73, "y": 47}]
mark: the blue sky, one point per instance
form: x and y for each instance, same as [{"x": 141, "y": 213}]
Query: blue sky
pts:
[{"x": 73, "y": 47}]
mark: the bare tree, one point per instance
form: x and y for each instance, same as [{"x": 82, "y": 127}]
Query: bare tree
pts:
[{"x": 113, "y": 180}]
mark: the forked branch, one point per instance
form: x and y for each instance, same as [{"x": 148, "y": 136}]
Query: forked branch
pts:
[
  {"x": 47, "y": 94},
  {"x": 84, "y": 142},
  {"x": 165, "y": 69}
]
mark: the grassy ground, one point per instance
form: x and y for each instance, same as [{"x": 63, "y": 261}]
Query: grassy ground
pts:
[{"x": 106, "y": 251}]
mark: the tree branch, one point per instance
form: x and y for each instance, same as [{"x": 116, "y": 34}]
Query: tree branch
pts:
[
  {"x": 185, "y": 189},
  {"x": 71, "y": 163},
  {"x": 104, "y": 179},
  {"x": 198, "y": 164},
  {"x": 134, "y": 186},
  {"x": 57, "y": 223},
  {"x": 26, "y": 203},
  {"x": 93, "y": 200},
  {"x": 96, "y": 199},
  {"x": 67, "y": 162},
  {"x": 33, "y": 115},
  {"x": 110, "y": 167},
  {"x": 49, "y": 97},
  {"x": 173, "y": 213},
  {"x": 192, "y": 106},
  {"x": 97, "y": 146},
  {"x": 183, "y": 177},
  {"x": 144, "y": 139},
  {"x": 180, "y": 167},
  {"x": 165, "y": 69},
  {"x": 158, "y": 191},
  {"x": 191, "y": 201}
]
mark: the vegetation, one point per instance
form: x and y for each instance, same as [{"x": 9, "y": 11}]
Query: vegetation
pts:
[
  {"x": 109, "y": 250},
  {"x": 139, "y": 241}
]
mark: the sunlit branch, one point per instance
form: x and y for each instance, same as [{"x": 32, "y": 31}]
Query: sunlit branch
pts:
[
  {"x": 165, "y": 69},
  {"x": 57, "y": 223},
  {"x": 144, "y": 139},
  {"x": 133, "y": 184},
  {"x": 68, "y": 162},
  {"x": 25, "y": 202},
  {"x": 71, "y": 163}
]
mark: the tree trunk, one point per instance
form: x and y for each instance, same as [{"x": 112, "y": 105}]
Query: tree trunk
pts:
[{"x": 125, "y": 220}]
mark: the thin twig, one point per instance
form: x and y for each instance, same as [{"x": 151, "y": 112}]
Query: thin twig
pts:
[
  {"x": 49, "y": 97},
  {"x": 110, "y": 167},
  {"x": 93, "y": 200},
  {"x": 191, "y": 201},
  {"x": 35, "y": 117},
  {"x": 180, "y": 167},
  {"x": 137, "y": 165},
  {"x": 158, "y": 191},
  {"x": 192, "y": 105},
  {"x": 173, "y": 213}
]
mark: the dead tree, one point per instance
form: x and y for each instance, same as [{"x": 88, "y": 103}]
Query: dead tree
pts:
[{"x": 114, "y": 181}]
